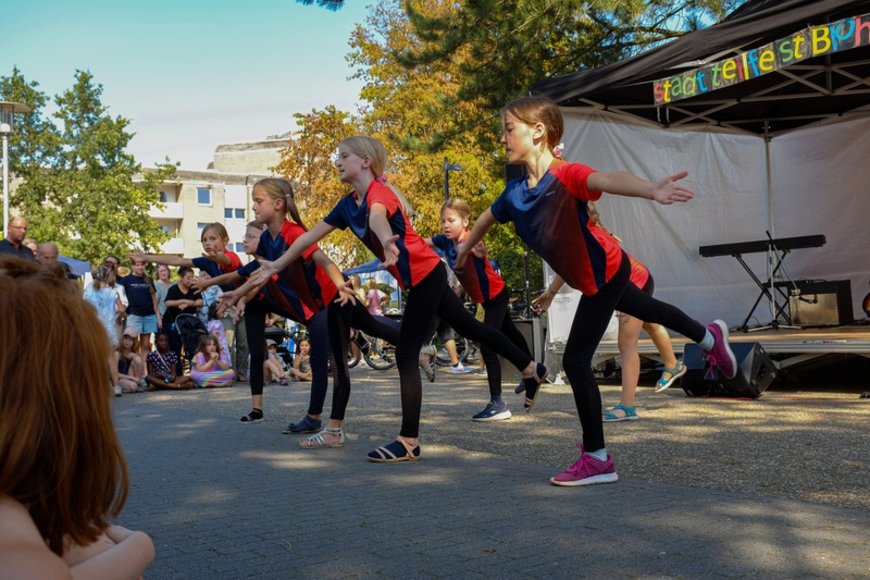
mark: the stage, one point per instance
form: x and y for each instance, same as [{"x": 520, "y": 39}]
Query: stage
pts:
[{"x": 788, "y": 347}]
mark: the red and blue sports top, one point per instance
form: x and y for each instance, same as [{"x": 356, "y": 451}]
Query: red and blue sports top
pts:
[
  {"x": 214, "y": 269},
  {"x": 552, "y": 219},
  {"x": 478, "y": 278},
  {"x": 303, "y": 288},
  {"x": 416, "y": 258},
  {"x": 639, "y": 272}
]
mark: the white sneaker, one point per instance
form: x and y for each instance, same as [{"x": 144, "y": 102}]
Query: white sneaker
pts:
[
  {"x": 460, "y": 369},
  {"x": 117, "y": 390}
]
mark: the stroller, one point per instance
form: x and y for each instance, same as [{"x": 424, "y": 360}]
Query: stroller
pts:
[{"x": 191, "y": 330}]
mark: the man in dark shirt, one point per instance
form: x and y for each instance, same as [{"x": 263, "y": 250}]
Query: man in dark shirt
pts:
[
  {"x": 142, "y": 305},
  {"x": 12, "y": 243},
  {"x": 180, "y": 298}
]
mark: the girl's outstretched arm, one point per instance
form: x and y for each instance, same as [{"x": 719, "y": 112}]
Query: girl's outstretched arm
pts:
[
  {"x": 481, "y": 226},
  {"x": 161, "y": 259},
  {"x": 200, "y": 284},
  {"x": 665, "y": 191},
  {"x": 268, "y": 269}
]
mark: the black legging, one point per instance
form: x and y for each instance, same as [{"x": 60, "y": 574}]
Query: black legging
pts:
[
  {"x": 255, "y": 325},
  {"x": 429, "y": 297},
  {"x": 590, "y": 323},
  {"x": 495, "y": 314},
  {"x": 341, "y": 320}
]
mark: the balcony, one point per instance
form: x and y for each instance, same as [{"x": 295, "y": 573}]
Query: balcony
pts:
[
  {"x": 170, "y": 211},
  {"x": 173, "y": 246}
]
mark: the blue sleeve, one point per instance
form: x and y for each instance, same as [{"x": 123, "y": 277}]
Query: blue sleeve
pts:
[
  {"x": 499, "y": 208},
  {"x": 207, "y": 265},
  {"x": 336, "y": 217},
  {"x": 441, "y": 242},
  {"x": 248, "y": 269}
]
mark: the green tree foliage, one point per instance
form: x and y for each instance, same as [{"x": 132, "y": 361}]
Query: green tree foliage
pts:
[{"x": 80, "y": 187}]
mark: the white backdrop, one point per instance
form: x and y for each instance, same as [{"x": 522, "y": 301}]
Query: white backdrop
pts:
[{"x": 819, "y": 185}]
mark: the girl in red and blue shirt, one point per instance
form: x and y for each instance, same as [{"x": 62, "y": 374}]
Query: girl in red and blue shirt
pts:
[
  {"x": 549, "y": 209},
  {"x": 378, "y": 215},
  {"x": 485, "y": 287}
]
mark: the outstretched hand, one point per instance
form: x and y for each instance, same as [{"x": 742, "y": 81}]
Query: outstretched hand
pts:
[
  {"x": 391, "y": 251},
  {"x": 264, "y": 273},
  {"x": 666, "y": 191},
  {"x": 212, "y": 255},
  {"x": 346, "y": 294},
  {"x": 227, "y": 300},
  {"x": 137, "y": 257}
]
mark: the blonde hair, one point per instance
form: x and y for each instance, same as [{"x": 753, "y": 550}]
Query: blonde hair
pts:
[
  {"x": 531, "y": 110},
  {"x": 218, "y": 228},
  {"x": 458, "y": 205},
  {"x": 364, "y": 146},
  {"x": 59, "y": 453},
  {"x": 280, "y": 189}
]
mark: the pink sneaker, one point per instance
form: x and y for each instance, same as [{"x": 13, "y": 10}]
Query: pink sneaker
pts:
[
  {"x": 587, "y": 471},
  {"x": 721, "y": 357}
]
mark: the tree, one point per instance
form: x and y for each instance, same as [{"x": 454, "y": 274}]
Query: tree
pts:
[
  {"x": 308, "y": 162},
  {"x": 80, "y": 188}
]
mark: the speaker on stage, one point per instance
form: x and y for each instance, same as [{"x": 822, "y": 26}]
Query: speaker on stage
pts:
[{"x": 755, "y": 371}]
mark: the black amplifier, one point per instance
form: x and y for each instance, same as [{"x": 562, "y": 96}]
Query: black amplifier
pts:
[{"x": 820, "y": 302}]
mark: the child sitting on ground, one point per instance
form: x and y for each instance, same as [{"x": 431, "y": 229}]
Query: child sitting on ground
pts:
[
  {"x": 130, "y": 368},
  {"x": 209, "y": 370},
  {"x": 273, "y": 366},
  {"x": 161, "y": 367},
  {"x": 301, "y": 370}
]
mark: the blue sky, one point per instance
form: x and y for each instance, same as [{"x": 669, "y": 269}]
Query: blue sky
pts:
[{"x": 190, "y": 74}]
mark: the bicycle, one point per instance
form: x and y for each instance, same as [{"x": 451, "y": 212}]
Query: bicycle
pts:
[{"x": 378, "y": 354}]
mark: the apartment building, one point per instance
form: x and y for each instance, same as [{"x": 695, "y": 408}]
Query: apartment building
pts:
[{"x": 221, "y": 193}]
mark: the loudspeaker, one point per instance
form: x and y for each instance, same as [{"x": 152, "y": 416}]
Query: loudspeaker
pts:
[
  {"x": 755, "y": 372},
  {"x": 821, "y": 303}
]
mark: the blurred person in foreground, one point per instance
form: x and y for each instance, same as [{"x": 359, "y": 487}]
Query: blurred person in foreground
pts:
[{"x": 62, "y": 471}]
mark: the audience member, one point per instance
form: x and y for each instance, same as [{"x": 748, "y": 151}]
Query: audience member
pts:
[
  {"x": 208, "y": 368},
  {"x": 142, "y": 309},
  {"x": 162, "y": 286},
  {"x": 13, "y": 243},
  {"x": 131, "y": 367},
  {"x": 57, "y": 498},
  {"x": 47, "y": 252},
  {"x": 162, "y": 364},
  {"x": 107, "y": 304},
  {"x": 273, "y": 366}
]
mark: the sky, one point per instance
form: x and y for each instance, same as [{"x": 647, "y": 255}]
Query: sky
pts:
[{"x": 189, "y": 74}]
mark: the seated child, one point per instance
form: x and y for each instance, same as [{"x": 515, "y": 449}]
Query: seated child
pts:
[
  {"x": 208, "y": 368},
  {"x": 273, "y": 366},
  {"x": 130, "y": 367},
  {"x": 161, "y": 367},
  {"x": 301, "y": 370}
]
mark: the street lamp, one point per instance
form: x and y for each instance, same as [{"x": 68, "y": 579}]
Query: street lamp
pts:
[
  {"x": 7, "y": 113},
  {"x": 448, "y": 167}
]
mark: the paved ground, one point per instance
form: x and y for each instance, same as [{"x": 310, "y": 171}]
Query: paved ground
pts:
[{"x": 226, "y": 500}]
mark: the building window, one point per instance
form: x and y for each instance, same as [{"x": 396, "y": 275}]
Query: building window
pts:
[
  {"x": 240, "y": 214},
  {"x": 203, "y": 195},
  {"x": 240, "y": 247},
  {"x": 228, "y": 213},
  {"x": 164, "y": 197},
  {"x": 200, "y": 226}
]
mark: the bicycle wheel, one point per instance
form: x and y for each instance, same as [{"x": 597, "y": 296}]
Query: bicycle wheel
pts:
[
  {"x": 381, "y": 356},
  {"x": 353, "y": 357}
]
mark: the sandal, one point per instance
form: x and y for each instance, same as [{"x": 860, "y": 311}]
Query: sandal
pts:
[
  {"x": 396, "y": 451},
  {"x": 630, "y": 414},
  {"x": 306, "y": 425},
  {"x": 675, "y": 373},
  {"x": 532, "y": 385},
  {"x": 319, "y": 441}
]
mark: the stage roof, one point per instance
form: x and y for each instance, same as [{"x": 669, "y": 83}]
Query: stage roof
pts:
[{"x": 798, "y": 94}]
